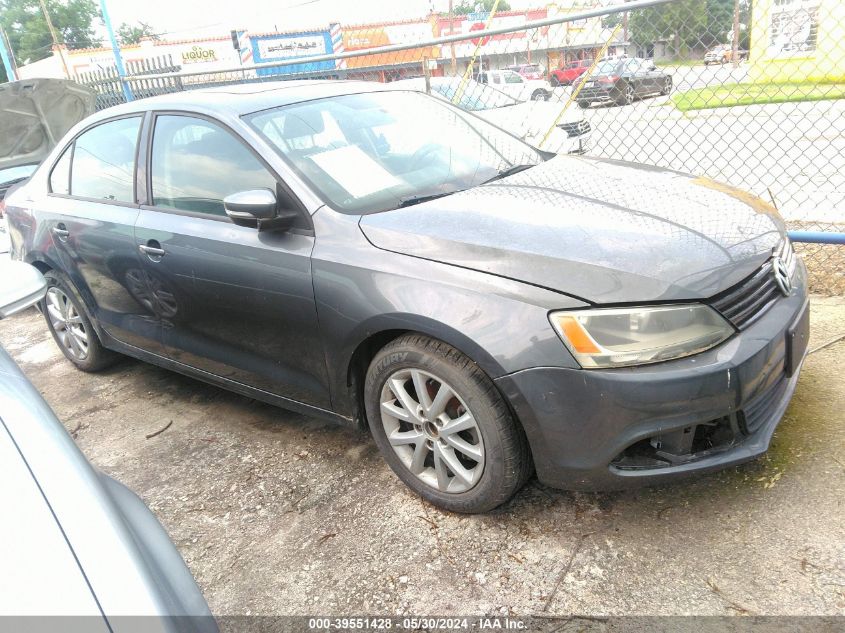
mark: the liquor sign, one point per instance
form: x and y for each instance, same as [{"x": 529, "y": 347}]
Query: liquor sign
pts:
[{"x": 198, "y": 54}]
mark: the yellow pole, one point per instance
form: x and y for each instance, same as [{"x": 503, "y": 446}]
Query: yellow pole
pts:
[
  {"x": 460, "y": 91},
  {"x": 581, "y": 83}
]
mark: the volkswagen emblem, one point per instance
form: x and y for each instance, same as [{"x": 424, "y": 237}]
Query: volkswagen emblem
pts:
[{"x": 781, "y": 276}]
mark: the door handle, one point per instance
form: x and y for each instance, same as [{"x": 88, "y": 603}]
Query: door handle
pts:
[
  {"x": 61, "y": 232},
  {"x": 152, "y": 249}
]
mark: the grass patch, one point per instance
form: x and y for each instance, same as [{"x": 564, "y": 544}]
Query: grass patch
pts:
[
  {"x": 679, "y": 62},
  {"x": 729, "y": 95}
]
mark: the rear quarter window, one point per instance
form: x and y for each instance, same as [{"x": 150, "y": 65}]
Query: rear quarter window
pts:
[{"x": 60, "y": 176}]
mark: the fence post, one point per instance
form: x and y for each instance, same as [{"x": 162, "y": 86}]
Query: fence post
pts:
[
  {"x": 5, "y": 53},
  {"x": 118, "y": 60}
]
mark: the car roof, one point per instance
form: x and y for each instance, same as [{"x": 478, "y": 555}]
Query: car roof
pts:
[{"x": 239, "y": 99}]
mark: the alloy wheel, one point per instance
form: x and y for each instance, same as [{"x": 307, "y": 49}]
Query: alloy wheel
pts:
[
  {"x": 629, "y": 94},
  {"x": 432, "y": 431},
  {"x": 67, "y": 323}
]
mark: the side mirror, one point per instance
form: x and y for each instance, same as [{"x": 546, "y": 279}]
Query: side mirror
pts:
[
  {"x": 22, "y": 286},
  {"x": 248, "y": 208}
]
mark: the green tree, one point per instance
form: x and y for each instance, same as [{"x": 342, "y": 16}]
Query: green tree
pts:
[
  {"x": 132, "y": 34},
  {"x": 611, "y": 21},
  {"x": 684, "y": 24},
  {"x": 27, "y": 29},
  {"x": 469, "y": 6}
]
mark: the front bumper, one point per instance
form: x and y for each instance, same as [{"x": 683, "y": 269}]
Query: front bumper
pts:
[
  {"x": 598, "y": 93},
  {"x": 619, "y": 428}
]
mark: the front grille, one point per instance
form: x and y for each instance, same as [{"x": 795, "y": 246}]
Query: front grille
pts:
[
  {"x": 760, "y": 410},
  {"x": 750, "y": 298},
  {"x": 575, "y": 129}
]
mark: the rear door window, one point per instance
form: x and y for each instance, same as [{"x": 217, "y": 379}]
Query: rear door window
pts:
[{"x": 103, "y": 165}]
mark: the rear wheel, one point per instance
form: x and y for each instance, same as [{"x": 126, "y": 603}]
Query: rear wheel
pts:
[
  {"x": 540, "y": 95},
  {"x": 554, "y": 81},
  {"x": 584, "y": 104},
  {"x": 70, "y": 326},
  {"x": 626, "y": 94},
  {"x": 667, "y": 86},
  {"x": 442, "y": 426}
]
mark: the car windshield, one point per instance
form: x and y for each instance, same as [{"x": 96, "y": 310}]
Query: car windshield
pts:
[
  {"x": 473, "y": 96},
  {"x": 377, "y": 151},
  {"x": 608, "y": 67}
]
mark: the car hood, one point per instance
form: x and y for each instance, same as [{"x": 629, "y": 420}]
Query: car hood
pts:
[
  {"x": 35, "y": 114},
  {"x": 531, "y": 120},
  {"x": 599, "y": 230}
]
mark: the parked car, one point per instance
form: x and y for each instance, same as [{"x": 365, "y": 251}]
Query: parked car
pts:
[
  {"x": 620, "y": 81},
  {"x": 516, "y": 85},
  {"x": 75, "y": 542},
  {"x": 361, "y": 253},
  {"x": 567, "y": 74},
  {"x": 26, "y": 135},
  {"x": 529, "y": 120},
  {"x": 528, "y": 71},
  {"x": 722, "y": 55}
]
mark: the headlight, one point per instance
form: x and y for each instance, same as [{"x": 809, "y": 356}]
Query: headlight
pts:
[{"x": 618, "y": 337}]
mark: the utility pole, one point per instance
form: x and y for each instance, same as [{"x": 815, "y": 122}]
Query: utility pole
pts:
[
  {"x": 56, "y": 42},
  {"x": 735, "y": 43},
  {"x": 118, "y": 60}
]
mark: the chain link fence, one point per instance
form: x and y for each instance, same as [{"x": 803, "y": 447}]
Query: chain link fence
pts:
[{"x": 750, "y": 93}]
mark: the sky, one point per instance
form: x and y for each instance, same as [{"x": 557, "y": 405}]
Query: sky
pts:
[{"x": 183, "y": 19}]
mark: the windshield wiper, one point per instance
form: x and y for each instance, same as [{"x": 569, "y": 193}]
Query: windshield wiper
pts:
[
  {"x": 508, "y": 171},
  {"x": 412, "y": 200}
]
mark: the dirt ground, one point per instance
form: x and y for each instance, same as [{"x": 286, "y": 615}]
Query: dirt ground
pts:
[{"x": 276, "y": 513}]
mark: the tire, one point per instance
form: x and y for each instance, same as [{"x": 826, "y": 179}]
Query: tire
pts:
[
  {"x": 626, "y": 94},
  {"x": 70, "y": 326},
  {"x": 540, "y": 95},
  {"x": 502, "y": 463},
  {"x": 554, "y": 81},
  {"x": 583, "y": 104},
  {"x": 667, "y": 86}
]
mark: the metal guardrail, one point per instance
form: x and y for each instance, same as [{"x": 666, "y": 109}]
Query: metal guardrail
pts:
[{"x": 817, "y": 237}]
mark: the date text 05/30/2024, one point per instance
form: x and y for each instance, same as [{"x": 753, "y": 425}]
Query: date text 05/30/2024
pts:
[{"x": 417, "y": 624}]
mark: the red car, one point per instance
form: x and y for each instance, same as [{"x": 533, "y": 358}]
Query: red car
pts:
[
  {"x": 567, "y": 74},
  {"x": 528, "y": 71}
]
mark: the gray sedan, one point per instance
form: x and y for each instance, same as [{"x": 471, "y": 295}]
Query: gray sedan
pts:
[
  {"x": 378, "y": 256},
  {"x": 73, "y": 541}
]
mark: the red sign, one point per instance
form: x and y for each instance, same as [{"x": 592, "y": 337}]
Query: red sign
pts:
[{"x": 479, "y": 26}]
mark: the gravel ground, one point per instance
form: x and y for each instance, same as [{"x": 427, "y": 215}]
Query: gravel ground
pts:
[{"x": 276, "y": 513}]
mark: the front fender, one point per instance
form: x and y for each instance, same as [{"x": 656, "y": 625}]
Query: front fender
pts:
[{"x": 362, "y": 291}]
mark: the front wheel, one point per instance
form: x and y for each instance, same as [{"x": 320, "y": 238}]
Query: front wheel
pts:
[
  {"x": 70, "y": 326},
  {"x": 554, "y": 81},
  {"x": 442, "y": 426},
  {"x": 667, "y": 86},
  {"x": 540, "y": 95}
]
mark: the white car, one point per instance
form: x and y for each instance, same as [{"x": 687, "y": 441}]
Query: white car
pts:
[
  {"x": 515, "y": 85},
  {"x": 530, "y": 121}
]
